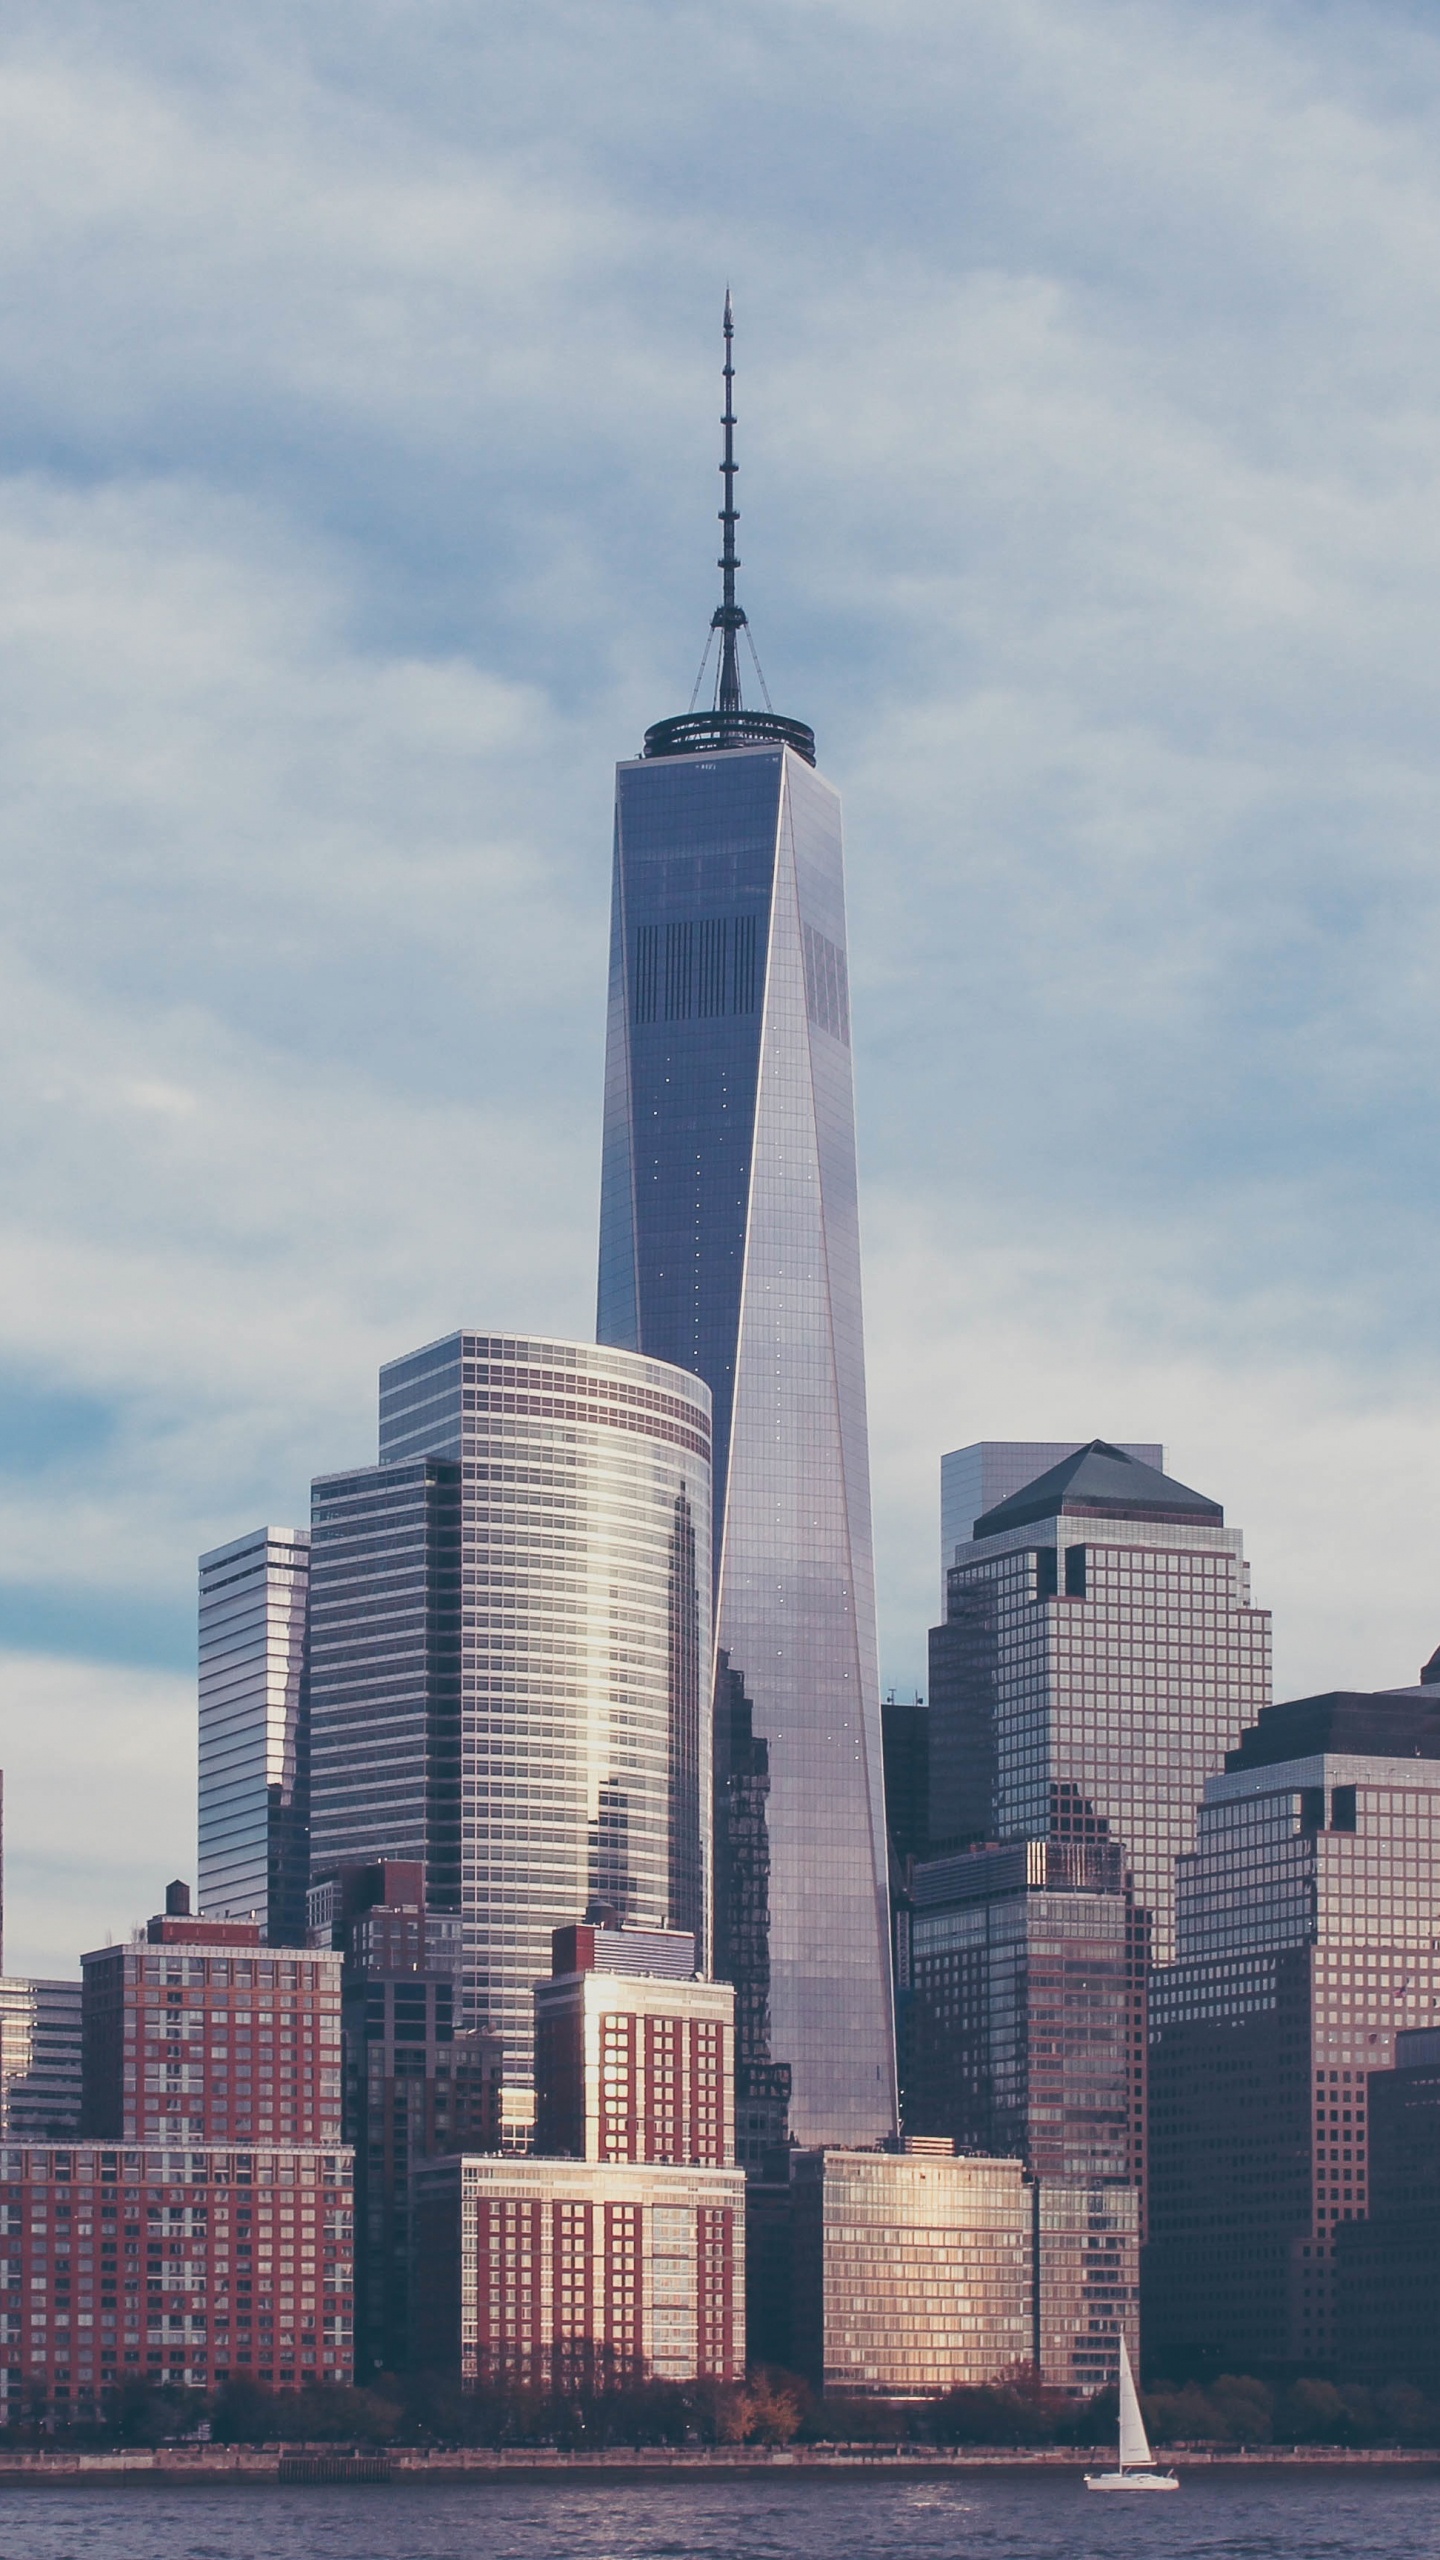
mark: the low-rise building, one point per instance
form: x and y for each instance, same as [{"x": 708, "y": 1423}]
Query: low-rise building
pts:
[
  {"x": 912, "y": 2272},
  {"x": 180, "y": 2266}
]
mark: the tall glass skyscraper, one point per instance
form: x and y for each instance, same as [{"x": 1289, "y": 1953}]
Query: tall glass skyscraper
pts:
[
  {"x": 730, "y": 1245},
  {"x": 510, "y": 1639},
  {"x": 254, "y": 1731}
]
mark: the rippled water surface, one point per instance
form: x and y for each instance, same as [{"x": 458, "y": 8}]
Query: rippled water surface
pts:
[{"x": 1354, "y": 2517}]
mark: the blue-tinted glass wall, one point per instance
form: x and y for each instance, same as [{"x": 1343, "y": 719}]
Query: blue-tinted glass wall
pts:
[
  {"x": 730, "y": 1245},
  {"x": 385, "y": 1670}
]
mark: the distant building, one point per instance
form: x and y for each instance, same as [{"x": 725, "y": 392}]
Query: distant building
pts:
[
  {"x": 1305, "y": 1944},
  {"x": 181, "y": 2266},
  {"x": 633, "y": 2065},
  {"x": 417, "y": 2082},
  {"x": 482, "y": 1700},
  {"x": 742, "y": 1918},
  {"x": 199, "y": 2033},
  {"x": 1099, "y": 1657},
  {"x": 979, "y": 1477},
  {"x": 905, "y": 1725},
  {"x": 1387, "y": 2269},
  {"x": 1028, "y": 1973},
  {"x": 254, "y": 1731},
  {"x": 39, "y": 2060},
  {"x": 568, "y": 2272}
]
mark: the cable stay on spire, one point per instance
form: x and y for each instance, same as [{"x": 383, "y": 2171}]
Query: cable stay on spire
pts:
[{"x": 727, "y": 723}]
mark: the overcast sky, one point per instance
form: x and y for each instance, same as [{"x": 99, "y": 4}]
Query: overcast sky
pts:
[{"x": 358, "y": 433}]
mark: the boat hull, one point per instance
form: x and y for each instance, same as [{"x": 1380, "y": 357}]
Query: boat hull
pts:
[{"x": 1131, "y": 2480}]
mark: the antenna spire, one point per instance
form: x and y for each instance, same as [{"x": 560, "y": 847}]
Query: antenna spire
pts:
[{"x": 729, "y": 617}]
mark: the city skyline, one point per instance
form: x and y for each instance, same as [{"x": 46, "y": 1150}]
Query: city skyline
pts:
[{"x": 341, "y": 570}]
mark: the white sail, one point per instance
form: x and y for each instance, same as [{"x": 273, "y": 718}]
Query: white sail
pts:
[{"x": 1134, "y": 2442}]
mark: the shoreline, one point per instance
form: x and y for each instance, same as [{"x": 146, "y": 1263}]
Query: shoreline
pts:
[{"x": 211, "y": 2466}]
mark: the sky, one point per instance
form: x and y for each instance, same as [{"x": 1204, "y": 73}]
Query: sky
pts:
[{"x": 358, "y": 429}]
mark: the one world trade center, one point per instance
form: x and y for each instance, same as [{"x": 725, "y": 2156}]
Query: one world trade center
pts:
[{"x": 729, "y": 1244}]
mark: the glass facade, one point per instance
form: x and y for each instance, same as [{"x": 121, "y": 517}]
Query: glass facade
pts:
[
  {"x": 1305, "y": 1943},
  {"x": 911, "y": 2274},
  {"x": 511, "y": 1639},
  {"x": 730, "y": 1245},
  {"x": 385, "y": 1671},
  {"x": 254, "y": 1731},
  {"x": 974, "y": 1479},
  {"x": 1091, "y": 1673},
  {"x": 39, "y": 2059}
]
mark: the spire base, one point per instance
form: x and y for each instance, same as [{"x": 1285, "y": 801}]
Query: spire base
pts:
[{"x": 708, "y": 733}]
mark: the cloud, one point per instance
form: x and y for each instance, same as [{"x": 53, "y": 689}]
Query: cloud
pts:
[
  {"x": 357, "y": 456},
  {"x": 99, "y": 1803}
]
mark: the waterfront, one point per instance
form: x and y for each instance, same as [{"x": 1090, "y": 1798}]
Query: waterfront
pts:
[{"x": 1335, "y": 2515}]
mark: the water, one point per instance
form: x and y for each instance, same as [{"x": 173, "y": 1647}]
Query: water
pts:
[{"x": 1016, "y": 2517}]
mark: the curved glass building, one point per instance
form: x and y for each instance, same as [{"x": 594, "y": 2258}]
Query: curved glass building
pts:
[
  {"x": 730, "y": 1246},
  {"x": 510, "y": 1641}
]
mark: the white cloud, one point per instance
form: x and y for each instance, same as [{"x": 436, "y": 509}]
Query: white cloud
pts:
[
  {"x": 99, "y": 1803},
  {"x": 355, "y": 495}
]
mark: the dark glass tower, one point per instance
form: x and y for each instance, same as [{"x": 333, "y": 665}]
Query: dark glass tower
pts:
[{"x": 730, "y": 1245}]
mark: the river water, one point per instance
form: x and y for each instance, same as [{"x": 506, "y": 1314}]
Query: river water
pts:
[{"x": 1355, "y": 2516}]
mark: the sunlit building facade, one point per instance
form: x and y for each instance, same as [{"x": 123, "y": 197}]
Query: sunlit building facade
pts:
[
  {"x": 730, "y": 1245},
  {"x": 511, "y": 1656}
]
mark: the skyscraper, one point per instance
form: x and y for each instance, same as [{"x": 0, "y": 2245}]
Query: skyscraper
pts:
[
  {"x": 1099, "y": 1658},
  {"x": 253, "y": 1731},
  {"x": 730, "y": 1245},
  {"x": 987, "y": 1472},
  {"x": 510, "y": 1641},
  {"x": 1306, "y": 1943}
]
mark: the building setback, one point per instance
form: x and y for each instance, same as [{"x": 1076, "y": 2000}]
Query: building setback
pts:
[
  {"x": 729, "y": 1244},
  {"x": 976, "y": 1479},
  {"x": 254, "y": 1731},
  {"x": 1305, "y": 1942},
  {"x": 1098, "y": 1659},
  {"x": 550, "y": 1579}
]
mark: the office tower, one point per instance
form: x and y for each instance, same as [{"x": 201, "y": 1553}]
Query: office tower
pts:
[
  {"x": 1028, "y": 2021},
  {"x": 39, "y": 2059},
  {"x": 385, "y": 1671},
  {"x": 633, "y": 2064},
  {"x": 742, "y": 1917},
  {"x": 1305, "y": 1941},
  {"x": 417, "y": 2084},
  {"x": 913, "y": 2272},
  {"x": 729, "y": 1244},
  {"x": 1387, "y": 2268},
  {"x": 180, "y": 2266},
  {"x": 976, "y": 1479},
  {"x": 1099, "y": 1657},
  {"x": 253, "y": 1739},
  {"x": 510, "y": 1647},
  {"x": 1025, "y": 2036},
  {"x": 199, "y": 2033}
]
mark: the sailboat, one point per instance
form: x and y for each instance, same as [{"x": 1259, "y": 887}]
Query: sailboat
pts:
[{"x": 1137, "y": 2469}]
